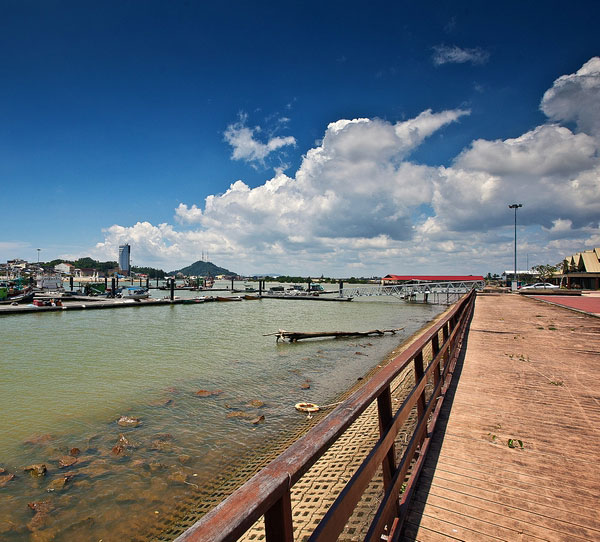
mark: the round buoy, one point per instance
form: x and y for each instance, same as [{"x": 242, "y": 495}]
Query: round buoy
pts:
[{"x": 307, "y": 407}]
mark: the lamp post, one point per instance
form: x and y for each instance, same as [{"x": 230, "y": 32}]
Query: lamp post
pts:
[{"x": 515, "y": 283}]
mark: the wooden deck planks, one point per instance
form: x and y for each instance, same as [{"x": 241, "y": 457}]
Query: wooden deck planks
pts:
[{"x": 532, "y": 376}]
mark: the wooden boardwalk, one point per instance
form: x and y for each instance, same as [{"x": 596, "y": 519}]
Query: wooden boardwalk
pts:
[{"x": 531, "y": 373}]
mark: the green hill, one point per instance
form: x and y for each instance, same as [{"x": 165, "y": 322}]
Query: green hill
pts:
[{"x": 203, "y": 269}]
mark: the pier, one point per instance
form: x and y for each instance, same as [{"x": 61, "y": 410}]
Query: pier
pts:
[
  {"x": 513, "y": 455},
  {"x": 439, "y": 292}
]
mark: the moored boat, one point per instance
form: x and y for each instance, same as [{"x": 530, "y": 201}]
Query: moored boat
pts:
[{"x": 134, "y": 292}]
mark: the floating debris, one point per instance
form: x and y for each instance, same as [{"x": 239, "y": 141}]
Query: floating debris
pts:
[
  {"x": 258, "y": 420},
  {"x": 294, "y": 336}
]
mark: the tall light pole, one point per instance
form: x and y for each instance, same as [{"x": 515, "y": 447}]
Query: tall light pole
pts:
[
  {"x": 515, "y": 206},
  {"x": 39, "y": 249}
]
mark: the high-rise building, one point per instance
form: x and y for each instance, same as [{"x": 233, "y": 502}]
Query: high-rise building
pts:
[{"x": 125, "y": 258}]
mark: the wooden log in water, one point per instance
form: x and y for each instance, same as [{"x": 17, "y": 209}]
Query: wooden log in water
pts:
[{"x": 294, "y": 336}]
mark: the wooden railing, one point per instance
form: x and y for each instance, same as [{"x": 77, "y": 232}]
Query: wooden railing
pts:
[{"x": 268, "y": 492}]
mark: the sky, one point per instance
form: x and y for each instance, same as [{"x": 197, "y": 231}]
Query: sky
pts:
[{"x": 300, "y": 137}]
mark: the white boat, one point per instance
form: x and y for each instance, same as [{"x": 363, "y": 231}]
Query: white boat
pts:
[{"x": 134, "y": 292}]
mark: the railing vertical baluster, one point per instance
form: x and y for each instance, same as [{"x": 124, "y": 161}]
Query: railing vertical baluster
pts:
[
  {"x": 278, "y": 520},
  {"x": 446, "y": 332},
  {"x": 418, "y": 361},
  {"x": 435, "y": 347},
  {"x": 386, "y": 416}
]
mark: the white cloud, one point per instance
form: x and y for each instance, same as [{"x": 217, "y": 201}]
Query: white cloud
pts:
[
  {"x": 247, "y": 147},
  {"x": 574, "y": 98},
  {"x": 444, "y": 54},
  {"x": 188, "y": 215},
  {"x": 358, "y": 202}
]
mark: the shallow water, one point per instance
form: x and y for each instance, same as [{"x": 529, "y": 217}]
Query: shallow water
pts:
[{"x": 67, "y": 378}]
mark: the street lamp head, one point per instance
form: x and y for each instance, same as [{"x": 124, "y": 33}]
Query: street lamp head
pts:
[{"x": 515, "y": 206}]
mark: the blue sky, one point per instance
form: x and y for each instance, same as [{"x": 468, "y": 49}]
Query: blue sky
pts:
[{"x": 334, "y": 138}]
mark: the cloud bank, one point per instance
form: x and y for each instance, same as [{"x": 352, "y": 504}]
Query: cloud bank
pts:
[{"x": 358, "y": 204}]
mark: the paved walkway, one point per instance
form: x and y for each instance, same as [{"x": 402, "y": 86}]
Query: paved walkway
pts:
[
  {"x": 582, "y": 303},
  {"x": 531, "y": 375}
]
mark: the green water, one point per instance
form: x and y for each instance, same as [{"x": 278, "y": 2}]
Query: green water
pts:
[{"x": 67, "y": 377}]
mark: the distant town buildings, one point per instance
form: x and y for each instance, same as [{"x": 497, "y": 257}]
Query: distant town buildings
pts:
[
  {"x": 125, "y": 258},
  {"x": 582, "y": 270},
  {"x": 64, "y": 268}
]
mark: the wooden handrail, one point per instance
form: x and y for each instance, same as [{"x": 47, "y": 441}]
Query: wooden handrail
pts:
[{"x": 268, "y": 492}]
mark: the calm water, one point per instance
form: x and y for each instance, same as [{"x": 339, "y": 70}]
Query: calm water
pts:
[{"x": 67, "y": 378}]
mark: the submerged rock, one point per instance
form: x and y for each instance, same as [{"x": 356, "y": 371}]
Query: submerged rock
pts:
[
  {"x": 58, "y": 483},
  {"x": 238, "y": 414},
  {"x": 40, "y": 519},
  {"x": 178, "y": 476},
  {"x": 39, "y": 440},
  {"x": 66, "y": 461},
  {"x": 127, "y": 421},
  {"x": 5, "y": 477},
  {"x": 36, "y": 470},
  {"x": 208, "y": 393},
  {"x": 256, "y": 403}
]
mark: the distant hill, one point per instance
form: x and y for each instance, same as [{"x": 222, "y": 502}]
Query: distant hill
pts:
[{"x": 203, "y": 269}]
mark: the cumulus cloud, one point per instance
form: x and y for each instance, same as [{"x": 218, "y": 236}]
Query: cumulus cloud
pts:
[
  {"x": 357, "y": 201},
  {"x": 246, "y": 145},
  {"x": 574, "y": 98},
  {"x": 444, "y": 54}
]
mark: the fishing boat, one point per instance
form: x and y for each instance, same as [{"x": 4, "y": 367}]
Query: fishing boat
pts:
[
  {"x": 229, "y": 298},
  {"x": 251, "y": 297},
  {"x": 25, "y": 297}
]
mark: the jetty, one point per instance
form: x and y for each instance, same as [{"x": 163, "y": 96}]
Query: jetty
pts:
[{"x": 513, "y": 455}]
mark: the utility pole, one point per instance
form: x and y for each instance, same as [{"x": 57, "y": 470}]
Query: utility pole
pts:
[{"x": 515, "y": 283}]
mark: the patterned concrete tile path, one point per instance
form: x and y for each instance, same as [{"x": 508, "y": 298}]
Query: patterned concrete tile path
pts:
[{"x": 530, "y": 375}]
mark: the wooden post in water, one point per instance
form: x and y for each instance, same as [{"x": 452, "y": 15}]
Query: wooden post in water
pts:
[
  {"x": 71, "y": 283},
  {"x": 105, "y": 283},
  {"x": 309, "y": 283},
  {"x": 341, "y": 287},
  {"x": 112, "y": 289},
  {"x": 172, "y": 289},
  {"x": 148, "y": 283},
  {"x": 260, "y": 287},
  {"x": 232, "y": 285}
]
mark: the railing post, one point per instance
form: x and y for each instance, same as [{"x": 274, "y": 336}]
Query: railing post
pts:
[
  {"x": 386, "y": 416},
  {"x": 278, "y": 520}
]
